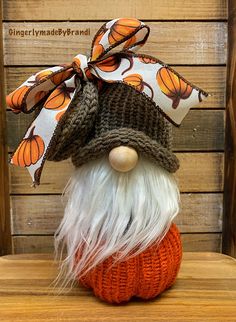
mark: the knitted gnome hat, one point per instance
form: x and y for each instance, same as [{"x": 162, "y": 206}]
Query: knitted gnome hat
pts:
[
  {"x": 138, "y": 96},
  {"x": 124, "y": 118}
]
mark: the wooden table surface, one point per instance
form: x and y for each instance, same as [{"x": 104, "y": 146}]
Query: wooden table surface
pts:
[{"x": 205, "y": 291}]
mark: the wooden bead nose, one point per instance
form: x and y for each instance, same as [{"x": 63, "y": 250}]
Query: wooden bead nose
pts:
[{"x": 123, "y": 158}]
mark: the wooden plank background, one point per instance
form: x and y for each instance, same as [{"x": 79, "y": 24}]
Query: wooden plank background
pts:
[
  {"x": 148, "y": 10},
  {"x": 5, "y": 224},
  {"x": 191, "y": 36},
  {"x": 229, "y": 225}
]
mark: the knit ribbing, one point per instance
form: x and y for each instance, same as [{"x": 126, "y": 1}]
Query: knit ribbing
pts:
[
  {"x": 151, "y": 149},
  {"x": 124, "y": 107},
  {"x": 76, "y": 124},
  {"x": 145, "y": 275},
  {"x": 119, "y": 115},
  {"x": 127, "y": 118}
]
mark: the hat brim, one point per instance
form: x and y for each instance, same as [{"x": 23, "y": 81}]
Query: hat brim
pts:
[{"x": 143, "y": 144}]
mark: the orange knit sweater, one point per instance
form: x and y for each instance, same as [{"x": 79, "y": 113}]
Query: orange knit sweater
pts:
[{"x": 145, "y": 275}]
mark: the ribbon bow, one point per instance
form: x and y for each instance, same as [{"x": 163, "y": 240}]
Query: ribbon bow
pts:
[{"x": 55, "y": 87}]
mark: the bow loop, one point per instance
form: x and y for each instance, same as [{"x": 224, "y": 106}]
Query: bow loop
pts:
[{"x": 131, "y": 33}]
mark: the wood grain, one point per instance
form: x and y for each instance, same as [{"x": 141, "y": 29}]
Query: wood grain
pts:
[
  {"x": 184, "y": 42},
  {"x": 44, "y": 244},
  {"x": 201, "y": 242},
  {"x": 40, "y": 215},
  {"x": 5, "y": 233},
  {"x": 161, "y": 10},
  {"x": 200, "y": 213},
  {"x": 229, "y": 228},
  {"x": 199, "y": 172},
  {"x": 201, "y": 130},
  {"x": 173, "y": 42},
  {"x": 205, "y": 290},
  {"x": 73, "y": 309},
  {"x": 211, "y": 78}
]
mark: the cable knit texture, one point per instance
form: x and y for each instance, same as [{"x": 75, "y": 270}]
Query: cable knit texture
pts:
[
  {"x": 146, "y": 275},
  {"x": 119, "y": 115},
  {"x": 76, "y": 123}
]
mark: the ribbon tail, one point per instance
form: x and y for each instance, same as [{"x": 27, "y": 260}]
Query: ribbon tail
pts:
[
  {"x": 36, "y": 88},
  {"x": 40, "y": 136}
]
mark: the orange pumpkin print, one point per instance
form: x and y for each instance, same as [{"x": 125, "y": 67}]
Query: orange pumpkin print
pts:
[
  {"x": 173, "y": 86},
  {"x": 76, "y": 65},
  {"x": 59, "y": 115},
  {"x": 99, "y": 35},
  {"x": 58, "y": 78},
  {"x": 98, "y": 49},
  {"x": 29, "y": 151},
  {"x": 76, "y": 62},
  {"x": 109, "y": 64},
  {"x": 112, "y": 63},
  {"x": 14, "y": 100},
  {"x": 122, "y": 28},
  {"x": 137, "y": 82},
  {"x": 59, "y": 98},
  {"x": 43, "y": 75},
  {"x": 130, "y": 42},
  {"x": 147, "y": 60},
  {"x": 40, "y": 95}
]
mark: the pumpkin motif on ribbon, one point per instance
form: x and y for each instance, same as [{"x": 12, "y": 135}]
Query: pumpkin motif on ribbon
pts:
[
  {"x": 98, "y": 49},
  {"x": 130, "y": 42},
  {"x": 59, "y": 77},
  {"x": 43, "y": 75},
  {"x": 173, "y": 86},
  {"x": 56, "y": 79},
  {"x": 137, "y": 82},
  {"x": 121, "y": 29},
  {"x": 40, "y": 95},
  {"x": 59, "y": 98},
  {"x": 77, "y": 66},
  {"x": 59, "y": 115},
  {"x": 147, "y": 60},
  {"x": 109, "y": 64},
  {"x": 29, "y": 151},
  {"x": 14, "y": 100},
  {"x": 112, "y": 63}
]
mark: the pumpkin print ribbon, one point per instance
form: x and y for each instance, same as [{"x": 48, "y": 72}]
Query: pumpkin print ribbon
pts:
[{"x": 53, "y": 89}]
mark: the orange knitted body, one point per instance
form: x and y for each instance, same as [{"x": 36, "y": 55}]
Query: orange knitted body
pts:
[{"x": 145, "y": 275}]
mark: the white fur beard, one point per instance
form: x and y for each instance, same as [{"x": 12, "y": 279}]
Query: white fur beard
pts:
[{"x": 109, "y": 212}]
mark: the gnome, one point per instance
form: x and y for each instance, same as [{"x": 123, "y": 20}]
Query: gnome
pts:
[{"x": 112, "y": 114}]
